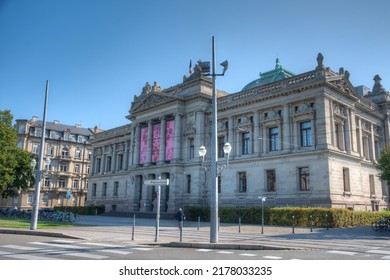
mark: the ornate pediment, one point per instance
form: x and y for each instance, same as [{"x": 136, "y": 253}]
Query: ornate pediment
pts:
[
  {"x": 150, "y": 101},
  {"x": 344, "y": 86}
]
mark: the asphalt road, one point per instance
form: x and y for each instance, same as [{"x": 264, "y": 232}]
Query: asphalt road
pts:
[{"x": 28, "y": 247}]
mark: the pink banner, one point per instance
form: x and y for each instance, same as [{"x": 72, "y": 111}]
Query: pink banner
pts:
[
  {"x": 156, "y": 143},
  {"x": 169, "y": 140},
  {"x": 143, "y": 145}
]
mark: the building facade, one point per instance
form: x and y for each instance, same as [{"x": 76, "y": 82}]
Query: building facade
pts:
[
  {"x": 309, "y": 139},
  {"x": 69, "y": 150}
]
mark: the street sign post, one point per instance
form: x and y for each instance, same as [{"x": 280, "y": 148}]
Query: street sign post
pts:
[
  {"x": 68, "y": 193},
  {"x": 159, "y": 182}
]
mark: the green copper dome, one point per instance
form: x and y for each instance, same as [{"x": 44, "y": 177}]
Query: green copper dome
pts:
[{"x": 271, "y": 76}]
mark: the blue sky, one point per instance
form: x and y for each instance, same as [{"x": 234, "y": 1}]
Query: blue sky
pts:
[{"x": 98, "y": 54}]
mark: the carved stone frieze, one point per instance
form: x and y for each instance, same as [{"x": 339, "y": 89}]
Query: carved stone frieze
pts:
[{"x": 150, "y": 102}]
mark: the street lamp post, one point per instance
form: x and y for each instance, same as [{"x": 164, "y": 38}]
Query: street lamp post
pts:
[
  {"x": 214, "y": 168},
  {"x": 34, "y": 216}
]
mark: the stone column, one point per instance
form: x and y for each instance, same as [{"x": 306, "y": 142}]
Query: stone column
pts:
[
  {"x": 149, "y": 143},
  {"x": 256, "y": 133},
  {"x": 231, "y": 137},
  {"x": 126, "y": 156},
  {"x": 137, "y": 143},
  {"x": 200, "y": 130},
  {"x": 372, "y": 147},
  {"x": 162, "y": 140},
  {"x": 178, "y": 138},
  {"x": 348, "y": 133},
  {"x": 286, "y": 128},
  {"x": 360, "y": 140},
  {"x": 264, "y": 138},
  {"x": 354, "y": 144},
  {"x": 113, "y": 160}
]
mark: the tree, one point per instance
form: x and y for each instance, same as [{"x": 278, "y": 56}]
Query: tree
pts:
[
  {"x": 15, "y": 169},
  {"x": 383, "y": 165}
]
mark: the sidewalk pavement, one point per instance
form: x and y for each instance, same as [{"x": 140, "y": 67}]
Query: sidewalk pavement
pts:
[{"x": 197, "y": 235}]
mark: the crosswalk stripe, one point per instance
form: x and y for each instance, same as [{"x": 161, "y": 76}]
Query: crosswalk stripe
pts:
[
  {"x": 381, "y": 252},
  {"x": 23, "y": 256},
  {"x": 82, "y": 255},
  {"x": 248, "y": 255},
  {"x": 224, "y": 252},
  {"x": 59, "y": 245},
  {"x": 204, "y": 250},
  {"x": 272, "y": 257},
  {"x": 342, "y": 252}
]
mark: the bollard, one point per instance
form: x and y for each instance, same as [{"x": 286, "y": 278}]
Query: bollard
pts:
[
  {"x": 293, "y": 224},
  {"x": 181, "y": 230},
  {"x": 219, "y": 222},
  {"x": 311, "y": 223},
  {"x": 95, "y": 211},
  {"x": 239, "y": 225},
  {"x": 133, "y": 230},
  {"x": 198, "y": 222},
  {"x": 327, "y": 221}
]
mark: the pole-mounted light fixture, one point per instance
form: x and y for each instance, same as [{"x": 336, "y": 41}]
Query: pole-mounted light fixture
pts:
[{"x": 215, "y": 168}]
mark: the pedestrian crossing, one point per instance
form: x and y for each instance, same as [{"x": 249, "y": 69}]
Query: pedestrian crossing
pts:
[
  {"x": 382, "y": 253},
  {"x": 60, "y": 249}
]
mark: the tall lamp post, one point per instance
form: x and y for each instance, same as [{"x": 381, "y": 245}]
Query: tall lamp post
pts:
[
  {"x": 215, "y": 169},
  {"x": 34, "y": 217}
]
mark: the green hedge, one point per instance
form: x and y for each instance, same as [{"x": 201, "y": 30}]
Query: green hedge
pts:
[
  {"x": 283, "y": 216},
  {"x": 82, "y": 210}
]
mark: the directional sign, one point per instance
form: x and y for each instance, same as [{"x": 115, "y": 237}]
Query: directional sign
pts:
[
  {"x": 69, "y": 192},
  {"x": 157, "y": 182},
  {"x": 67, "y": 196}
]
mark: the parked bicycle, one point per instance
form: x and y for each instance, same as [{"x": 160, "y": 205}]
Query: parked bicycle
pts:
[{"x": 382, "y": 224}]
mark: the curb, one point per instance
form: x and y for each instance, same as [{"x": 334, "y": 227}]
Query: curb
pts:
[
  {"x": 225, "y": 246},
  {"x": 38, "y": 233}
]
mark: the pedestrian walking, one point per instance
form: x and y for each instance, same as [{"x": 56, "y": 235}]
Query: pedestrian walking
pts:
[{"x": 180, "y": 217}]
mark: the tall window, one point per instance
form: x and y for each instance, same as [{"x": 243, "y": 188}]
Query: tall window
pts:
[
  {"x": 94, "y": 190},
  {"x": 192, "y": 148},
  {"x": 78, "y": 153},
  {"x": 62, "y": 183},
  {"x": 120, "y": 162},
  {"x": 116, "y": 187},
  {"x": 76, "y": 184},
  {"x": 242, "y": 183},
  {"x": 219, "y": 184},
  {"x": 304, "y": 179},
  {"x": 347, "y": 187},
  {"x": 271, "y": 180},
  {"x": 50, "y": 150},
  {"x": 221, "y": 142},
  {"x": 47, "y": 182},
  {"x": 273, "y": 139},
  {"x": 306, "y": 140},
  {"x": 65, "y": 153},
  {"x": 35, "y": 148},
  {"x": 63, "y": 168},
  {"x": 246, "y": 137},
  {"x": 104, "y": 189},
  {"x": 98, "y": 165},
  {"x": 108, "y": 164},
  {"x": 188, "y": 183},
  {"x": 77, "y": 168}
]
